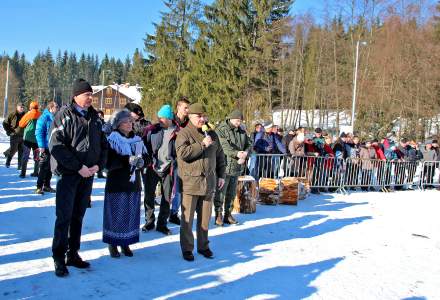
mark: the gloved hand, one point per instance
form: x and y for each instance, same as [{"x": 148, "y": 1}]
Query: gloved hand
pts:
[{"x": 136, "y": 161}]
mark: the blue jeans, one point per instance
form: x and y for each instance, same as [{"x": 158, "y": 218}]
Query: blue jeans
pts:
[{"x": 176, "y": 199}]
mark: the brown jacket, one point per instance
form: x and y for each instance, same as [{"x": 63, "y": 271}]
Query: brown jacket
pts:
[
  {"x": 367, "y": 155},
  {"x": 199, "y": 167},
  {"x": 296, "y": 148}
]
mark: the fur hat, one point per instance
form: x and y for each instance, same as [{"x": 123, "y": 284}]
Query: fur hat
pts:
[{"x": 119, "y": 117}]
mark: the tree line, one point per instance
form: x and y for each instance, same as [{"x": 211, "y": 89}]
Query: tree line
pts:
[{"x": 257, "y": 56}]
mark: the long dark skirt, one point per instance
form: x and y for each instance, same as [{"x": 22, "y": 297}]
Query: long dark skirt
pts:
[{"x": 121, "y": 218}]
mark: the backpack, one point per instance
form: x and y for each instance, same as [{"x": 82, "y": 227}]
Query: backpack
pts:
[{"x": 29, "y": 131}]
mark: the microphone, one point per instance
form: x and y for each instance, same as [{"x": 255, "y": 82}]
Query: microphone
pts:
[{"x": 205, "y": 130}]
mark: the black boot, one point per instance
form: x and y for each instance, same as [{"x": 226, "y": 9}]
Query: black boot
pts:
[
  {"x": 74, "y": 260},
  {"x": 127, "y": 251},
  {"x": 174, "y": 218},
  {"x": 36, "y": 169},
  {"x": 163, "y": 229},
  {"x": 60, "y": 268},
  {"x": 8, "y": 161},
  {"x": 206, "y": 253},
  {"x": 114, "y": 251},
  {"x": 218, "y": 219},
  {"x": 229, "y": 219},
  {"x": 188, "y": 256},
  {"x": 148, "y": 227}
]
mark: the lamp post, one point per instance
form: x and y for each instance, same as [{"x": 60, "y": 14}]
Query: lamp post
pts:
[
  {"x": 355, "y": 81},
  {"x": 5, "y": 102}
]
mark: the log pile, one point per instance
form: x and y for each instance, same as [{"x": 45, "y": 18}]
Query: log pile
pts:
[
  {"x": 269, "y": 191},
  {"x": 245, "y": 201},
  {"x": 289, "y": 191}
]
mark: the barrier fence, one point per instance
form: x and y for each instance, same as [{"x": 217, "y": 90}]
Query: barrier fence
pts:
[{"x": 336, "y": 174}]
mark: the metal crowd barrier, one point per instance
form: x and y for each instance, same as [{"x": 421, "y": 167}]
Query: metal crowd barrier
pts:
[{"x": 335, "y": 174}]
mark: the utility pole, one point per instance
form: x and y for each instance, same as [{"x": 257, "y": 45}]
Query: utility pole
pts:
[
  {"x": 102, "y": 91},
  {"x": 5, "y": 103},
  {"x": 355, "y": 82}
]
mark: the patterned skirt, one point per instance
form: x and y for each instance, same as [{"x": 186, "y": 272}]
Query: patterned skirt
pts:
[{"x": 121, "y": 218}]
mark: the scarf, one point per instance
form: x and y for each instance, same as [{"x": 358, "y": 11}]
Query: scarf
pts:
[{"x": 127, "y": 146}]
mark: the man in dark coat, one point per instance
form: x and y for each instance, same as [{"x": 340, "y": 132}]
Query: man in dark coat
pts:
[
  {"x": 15, "y": 134},
  {"x": 202, "y": 170},
  {"x": 236, "y": 146},
  {"x": 78, "y": 149},
  {"x": 140, "y": 123}
]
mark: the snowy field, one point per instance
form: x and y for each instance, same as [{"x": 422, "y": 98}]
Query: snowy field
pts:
[{"x": 361, "y": 246}]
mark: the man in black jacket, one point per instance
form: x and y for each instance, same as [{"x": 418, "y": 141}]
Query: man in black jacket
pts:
[
  {"x": 16, "y": 135},
  {"x": 79, "y": 150},
  {"x": 140, "y": 123}
]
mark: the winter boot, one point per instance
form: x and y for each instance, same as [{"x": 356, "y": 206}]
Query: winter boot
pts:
[
  {"x": 60, "y": 268},
  {"x": 229, "y": 219},
  {"x": 8, "y": 161},
  {"x": 127, "y": 251},
  {"x": 218, "y": 219},
  {"x": 114, "y": 251},
  {"x": 174, "y": 218}
]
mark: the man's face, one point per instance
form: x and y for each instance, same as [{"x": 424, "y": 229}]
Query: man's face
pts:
[
  {"x": 84, "y": 100},
  {"x": 198, "y": 120},
  {"x": 356, "y": 140},
  {"x": 182, "y": 109},
  {"x": 318, "y": 134},
  {"x": 165, "y": 122},
  {"x": 54, "y": 109},
  {"x": 20, "y": 108},
  {"x": 235, "y": 122},
  {"x": 134, "y": 116},
  {"x": 258, "y": 128}
]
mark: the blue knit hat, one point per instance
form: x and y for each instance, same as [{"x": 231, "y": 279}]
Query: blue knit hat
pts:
[{"x": 165, "y": 112}]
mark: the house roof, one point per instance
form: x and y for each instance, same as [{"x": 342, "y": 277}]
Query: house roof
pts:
[{"x": 132, "y": 92}]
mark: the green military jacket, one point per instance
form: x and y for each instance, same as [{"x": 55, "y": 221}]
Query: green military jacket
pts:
[
  {"x": 233, "y": 140},
  {"x": 198, "y": 166}
]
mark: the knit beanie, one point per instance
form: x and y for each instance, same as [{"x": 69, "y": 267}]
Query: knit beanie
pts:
[
  {"x": 165, "y": 112},
  {"x": 118, "y": 117},
  {"x": 80, "y": 86}
]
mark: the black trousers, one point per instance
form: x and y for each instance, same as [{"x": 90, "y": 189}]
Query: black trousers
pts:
[
  {"x": 44, "y": 174},
  {"x": 72, "y": 199},
  {"x": 151, "y": 179},
  {"x": 15, "y": 145}
]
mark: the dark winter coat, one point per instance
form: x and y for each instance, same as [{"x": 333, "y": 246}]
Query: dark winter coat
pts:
[
  {"x": 119, "y": 173},
  {"x": 139, "y": 126},
  {"x": 76, "y": 140},
  {"x": 11, "y": 124},
  {"x": 269, "y": 143},
  {"x": 42, "y": 131},
  {"x": 198, "y": 166},
  {"x": 232, "y": 141}
]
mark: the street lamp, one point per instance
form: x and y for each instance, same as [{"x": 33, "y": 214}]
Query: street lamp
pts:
[{"x": 355, "y": 81}]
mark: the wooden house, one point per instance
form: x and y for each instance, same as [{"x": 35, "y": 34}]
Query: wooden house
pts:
[{"x": 114, "y": 97}]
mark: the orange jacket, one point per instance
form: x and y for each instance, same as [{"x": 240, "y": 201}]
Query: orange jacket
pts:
[{"x": 33, "y": 114}]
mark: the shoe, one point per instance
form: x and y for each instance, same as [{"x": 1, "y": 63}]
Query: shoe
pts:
[
  {"x": 188, "y": 256},
  {"x": 114, "y": 251},
  {"x": 174, "y": 218},
  {"x": 49, "y": 190},
  {"x": 229, "y": 219},
  {"x": 60, "y": 269},
  {"x": 148, "y": 227},
  {"x": 39, "y": 192},
  {"x": 127, "y": 251},
  {"x": 206, "y": 253},
  {"x": 34, "y": 175},
  {"x": 74, "y": 260},
  {"x": 218, "y": 219},
  {"x": 22, "y": 176},
  {"x": 164, "y": 230}
]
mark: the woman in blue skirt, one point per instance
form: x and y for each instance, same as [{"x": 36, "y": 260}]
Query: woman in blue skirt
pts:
[{"x": 123, "y": 186}]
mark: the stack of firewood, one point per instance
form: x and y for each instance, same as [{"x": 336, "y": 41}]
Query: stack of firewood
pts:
[
  {"x": 269, "y": 191},
  {"x": 289, "y": 191}
]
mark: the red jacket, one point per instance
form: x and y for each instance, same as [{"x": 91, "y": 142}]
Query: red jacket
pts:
[{"x": 379, "y": 152}]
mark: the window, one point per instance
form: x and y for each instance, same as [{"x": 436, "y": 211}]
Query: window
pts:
[
  {"x": 122, "y": 101},
  {"x": 109, "y": 91},
  {"x": 108, "y": 111},
  {"x": 95, "y": 100},
  {"x": 109, "y": 101}
]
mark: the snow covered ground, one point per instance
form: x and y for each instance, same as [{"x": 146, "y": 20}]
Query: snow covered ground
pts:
[{"x": 361, "y": 246}]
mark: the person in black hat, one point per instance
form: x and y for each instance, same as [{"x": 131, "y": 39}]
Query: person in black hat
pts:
[
  {"x": 75, "y": 162},
  {"x": 140, "y": 123}
]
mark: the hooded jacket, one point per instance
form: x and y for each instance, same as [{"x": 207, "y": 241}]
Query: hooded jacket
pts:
[{"x": 42, "y": 131}]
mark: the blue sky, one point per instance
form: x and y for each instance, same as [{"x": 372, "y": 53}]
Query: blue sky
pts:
[{"x": 90, "y": 26}]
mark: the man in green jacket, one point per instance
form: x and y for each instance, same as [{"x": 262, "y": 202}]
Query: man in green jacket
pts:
[
  {"x": 201, "y": 168},
  {"x": 15, "y": 133},
  {"x": 236, "y": 146}
]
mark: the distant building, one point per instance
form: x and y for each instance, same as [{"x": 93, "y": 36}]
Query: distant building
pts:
[{"x": 109, "y": 98}]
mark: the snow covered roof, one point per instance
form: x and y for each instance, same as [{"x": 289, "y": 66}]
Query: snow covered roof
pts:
[{"x": 131, "y": 91}]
